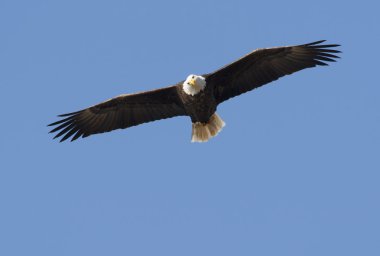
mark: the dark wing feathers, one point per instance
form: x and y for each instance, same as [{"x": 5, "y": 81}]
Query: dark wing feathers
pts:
[
  {"x": 265, "y": 65},
  {"x": 120, "y": 112}
]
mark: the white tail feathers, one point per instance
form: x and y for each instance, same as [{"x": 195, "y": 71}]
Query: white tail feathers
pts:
[{"x": 203, "y": 132}]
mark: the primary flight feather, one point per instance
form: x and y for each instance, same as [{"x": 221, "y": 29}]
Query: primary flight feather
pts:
[{"x": 197, "y": 96}]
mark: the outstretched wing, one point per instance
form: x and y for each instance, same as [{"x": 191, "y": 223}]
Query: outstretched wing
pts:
[
  {"x": 121, "y": 112},
  {"x": 265, "y": 65}
]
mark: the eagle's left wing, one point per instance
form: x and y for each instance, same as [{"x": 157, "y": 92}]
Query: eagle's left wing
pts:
[
  {"x": 120, "y": 112},
  {"x": 266, "y": 65}
]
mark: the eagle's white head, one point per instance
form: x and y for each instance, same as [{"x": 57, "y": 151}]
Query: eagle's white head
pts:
[{"x": 194, "y": 84}]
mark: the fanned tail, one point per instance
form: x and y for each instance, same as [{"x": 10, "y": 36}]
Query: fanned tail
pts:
[{"x": 203, "y": 132}]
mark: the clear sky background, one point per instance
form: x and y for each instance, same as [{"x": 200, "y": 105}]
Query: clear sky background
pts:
[{"x": 296, "y": 171}]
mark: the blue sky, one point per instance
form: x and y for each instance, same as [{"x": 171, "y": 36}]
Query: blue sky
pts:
[{"x": 294, "y": 172}]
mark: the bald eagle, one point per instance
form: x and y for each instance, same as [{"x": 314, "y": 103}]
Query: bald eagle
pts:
[{"x": 198, "y": 96}]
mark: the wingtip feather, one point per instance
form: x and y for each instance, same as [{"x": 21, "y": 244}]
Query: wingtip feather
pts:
[
  {"x": 70, "y": 114},
  {"x": 316, "y": 42}
]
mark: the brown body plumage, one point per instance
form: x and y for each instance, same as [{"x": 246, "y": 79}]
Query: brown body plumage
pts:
[
  {"x": 253, "y": 70},
  {"x": 199, "y": 107}
]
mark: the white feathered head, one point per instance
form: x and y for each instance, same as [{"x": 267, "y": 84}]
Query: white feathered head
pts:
[{"x": 194, "y": 84}]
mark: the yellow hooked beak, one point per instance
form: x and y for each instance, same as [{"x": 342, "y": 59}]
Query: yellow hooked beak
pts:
[{"x": 192, "y": 82}]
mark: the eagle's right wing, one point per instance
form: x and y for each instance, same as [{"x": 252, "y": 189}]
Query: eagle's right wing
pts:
[
  {"x": 120, "y": 112},
  {"x": 266, "y": 65}
]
